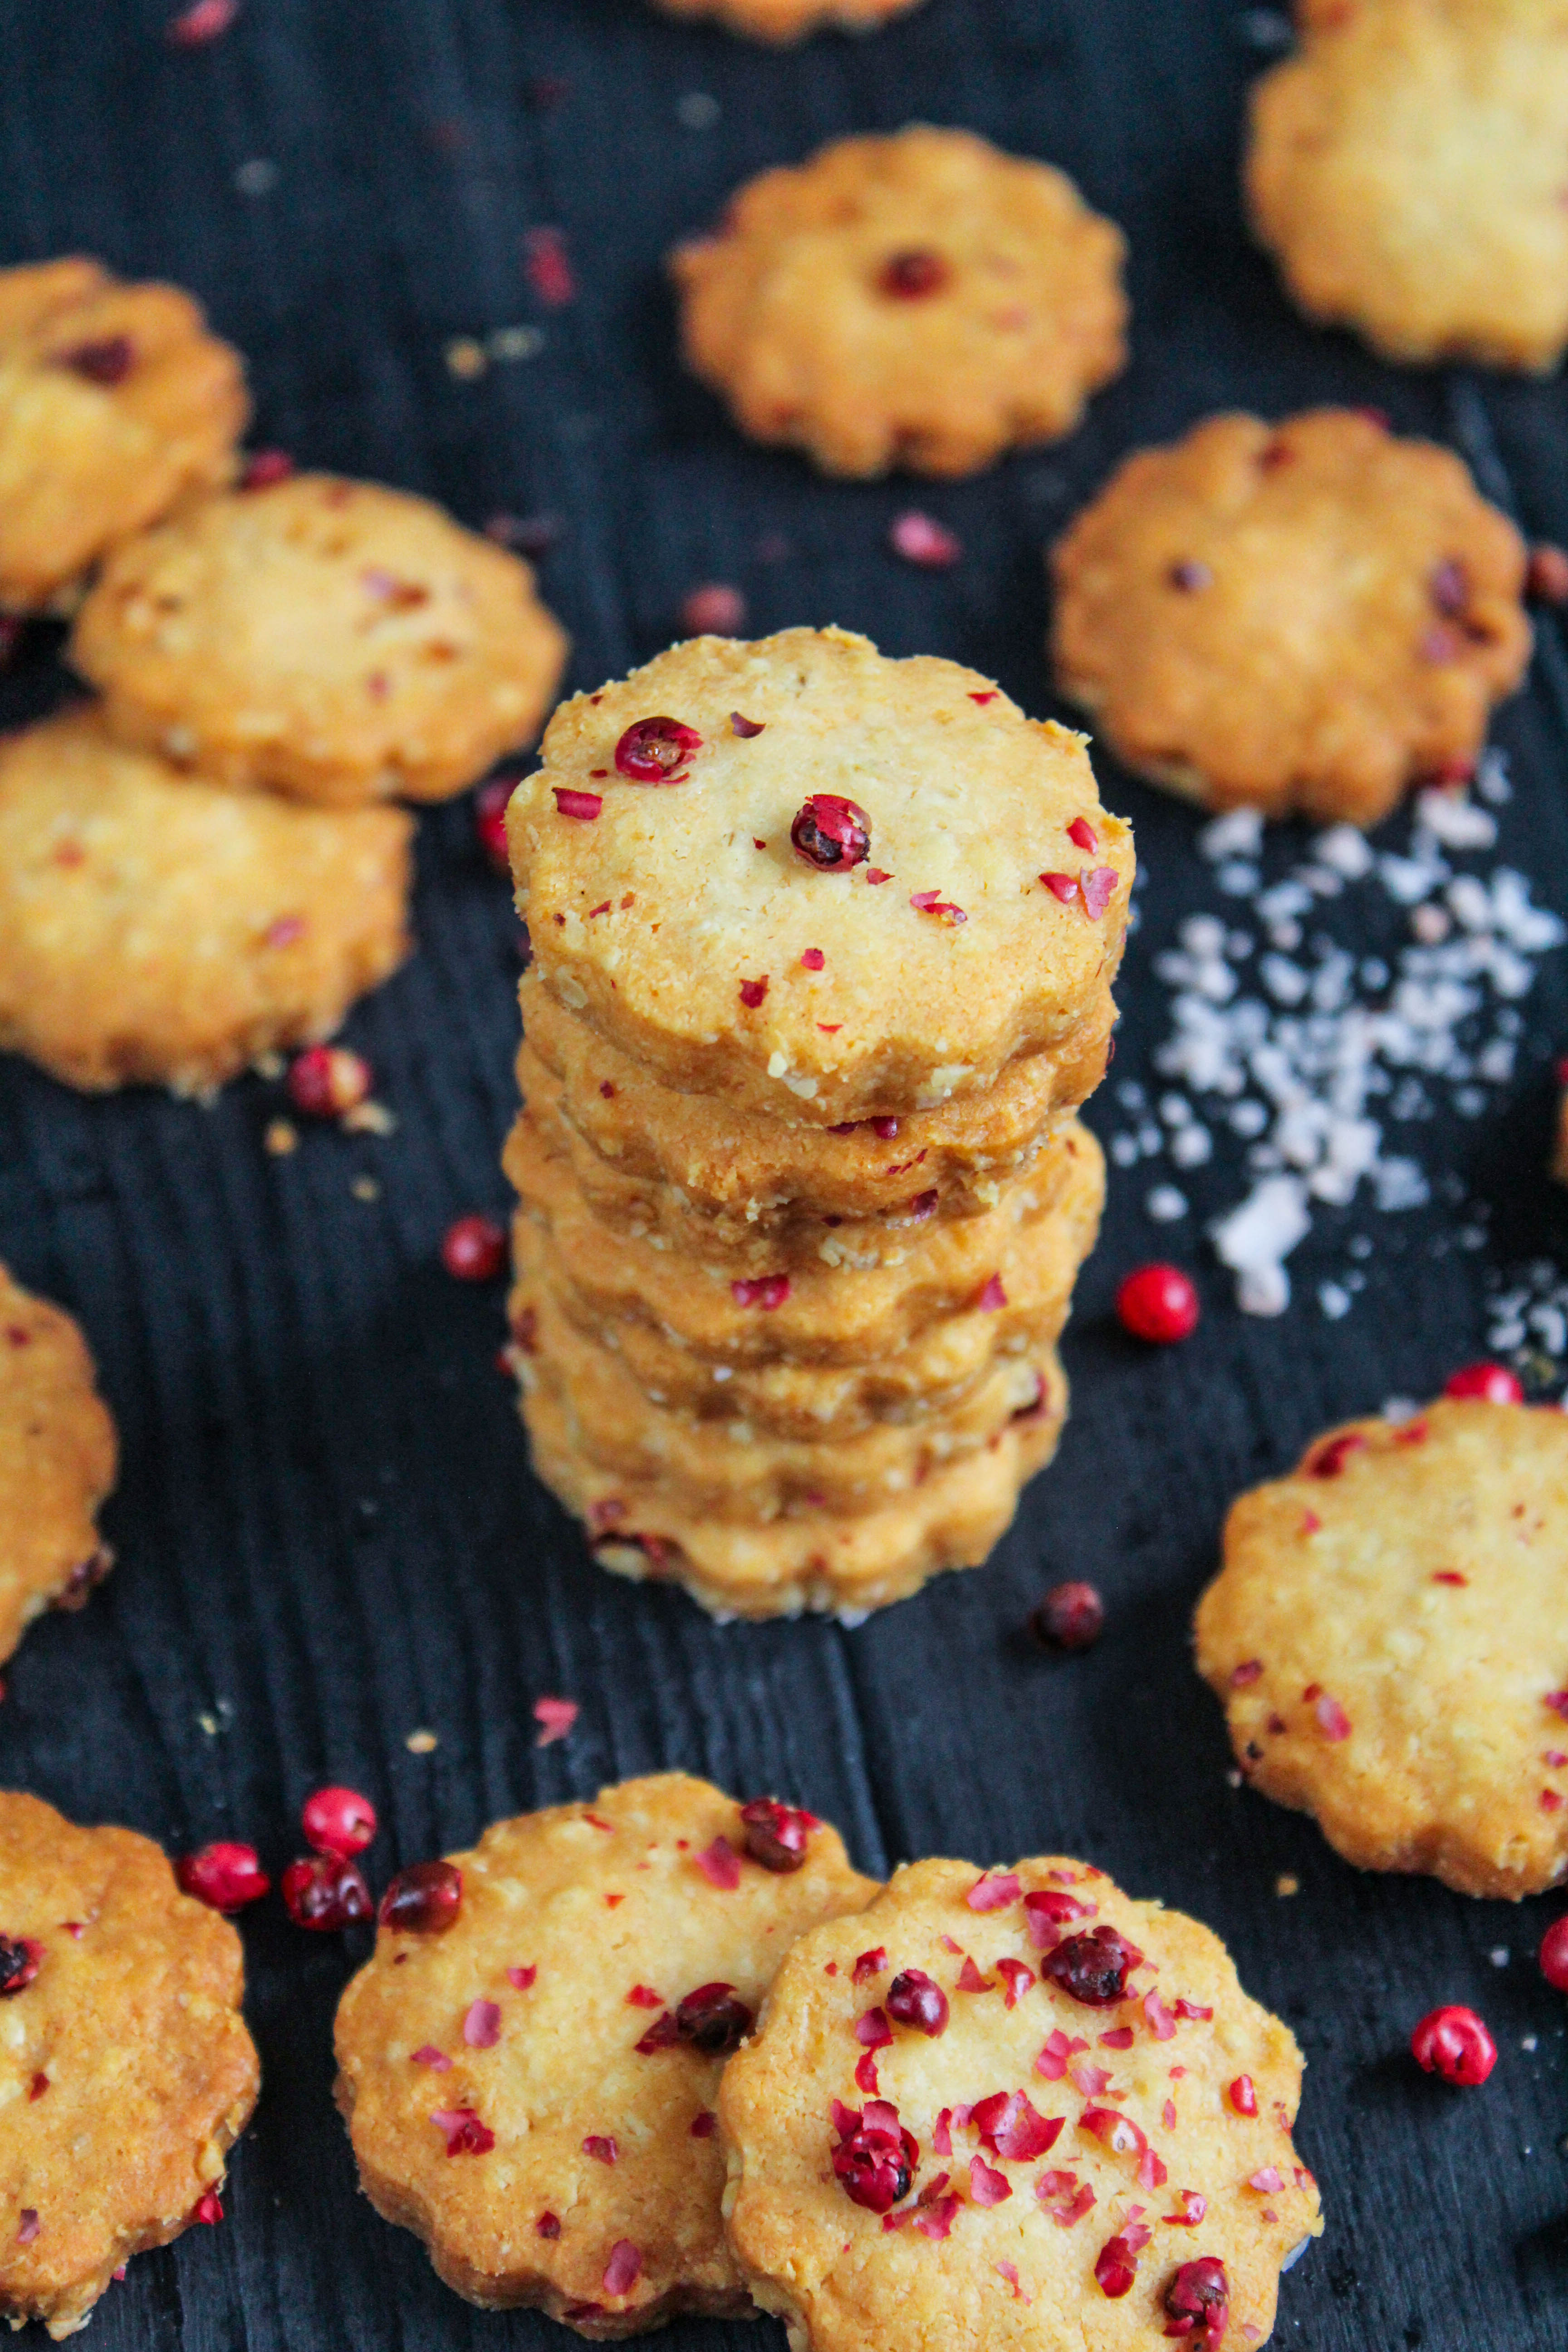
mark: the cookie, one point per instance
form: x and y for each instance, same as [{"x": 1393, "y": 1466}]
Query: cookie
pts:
[
  {"x": 334, "y": 640},
  {"x": 645, "y": 1155},
  {"x": 156, "y": 928},
  {"x": 531, "y": 2090},
  {"x": 1309, "y": 617},
  {"x": 1405, "y": 168},
  {"x": 922, "y": 301},
  {"x": 782, "y": 22},
  {"x": 818, "y": 1314},
  {"x": 126, "y": 2073},
  {"x": 1389, "y": 1638},
  {"x": 712, "y": 930},
  {"x": 57, "y": 1459},
  {"x": 823, "y": 1561},
  {"x": 1019, "y": 2111},
  {"x": 114, "y": 402}
]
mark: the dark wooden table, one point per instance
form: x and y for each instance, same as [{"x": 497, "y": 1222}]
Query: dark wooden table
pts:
[{"x": 328, "y": 1534}]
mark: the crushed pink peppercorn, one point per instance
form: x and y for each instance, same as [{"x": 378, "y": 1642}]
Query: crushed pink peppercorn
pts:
[
  {"x": 993, "y": 1295},
  {"x": 586, "y": 806},
  {"x": 1082, "y": 834},
  {"x": 872, "y": 2031},
  {"x": 624, "y": 2268},
  {"x": 752, "y": 991},
  {"x": 1017, "y": 1978},
  {"x": 1244, "y": 2096},
  {"x": 715, "y": 2020},
  {"x": 602, "y": 2150},
  {"x": 994, "y": 1891},
  {"x": 1329, "y": 1462},
  {"x": 1554, "y": 1955},
  {"x": 942, "y": 910},
  {"x": 1012, "y": 2128},
  {"x": 490, "y": 804},
  {"x": 746, "y": 728},
  {"x": 21, "y": 1957},
  {"x": 719, "y": 1865},
  {"x": 463, "y": 2132},
  {"x": 107, "y": 361},
  {"x": 920, "y": 539},
  {"x": 225, "y": 1875},
  {"x": 714, "y": 610},
  {"x": 870, "y": 1964},
  {"x": 548, "y": 2225},
  {"x": 704, "y": 2125},
  {"x": 987, "y": 2185},
  {"x": 207, "y": 2211},
  {"x": 265, "y": 469},
  {"x": 481, "y": 2025},
  {"x": 1047, "y": 1911},
  {"x": 1116, "y": 2266}
]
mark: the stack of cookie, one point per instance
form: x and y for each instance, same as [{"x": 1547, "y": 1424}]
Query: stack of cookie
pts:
[{"x": 822, "y": 968}]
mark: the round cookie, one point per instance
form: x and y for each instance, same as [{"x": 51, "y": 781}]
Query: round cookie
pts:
[
  {"x": 752, "y": 1180},
  {"x": 818, "y": 1314},
  {"x": 114, "y": 402},
  {"x": 528, "y": 2092},
  {"x": 922, "y": 301},
  {"x": 156, "y": 928},
  {"x": 58, "y": 1460},
  {"x": 782, "y": 22},
  {"x": 1405, "y": 168},
  {"x": 1389, "y": 1639},
  {"x": 686, "y": 927},
  {"x": 126, "y": 2073},
  {"x": 335, "y": 640},
  {"x": 1305, "y": 616},
  {"x": 1072, "y": 2135},
  {"x": 846, "y": 1566}
]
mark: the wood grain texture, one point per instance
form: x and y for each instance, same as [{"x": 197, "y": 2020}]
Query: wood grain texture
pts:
[{"x": 326, "y": 1530}]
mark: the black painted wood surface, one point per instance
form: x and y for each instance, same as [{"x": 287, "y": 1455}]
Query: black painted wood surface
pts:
[{"x": 328, "y": 1535}]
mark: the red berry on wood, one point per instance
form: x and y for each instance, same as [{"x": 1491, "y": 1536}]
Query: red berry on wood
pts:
[
  {"x": 1158, "y": 1303},
  {"x": 1454, "y": 2043}
]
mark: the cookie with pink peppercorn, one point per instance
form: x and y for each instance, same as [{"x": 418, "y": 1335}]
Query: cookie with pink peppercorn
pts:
[
  {"x": 1305, "y": 618},
  {"x": 1388, "y": 1636},
  {"x": 924, "y": 300},
  {"x": 529, "y": 2072},
  {"x": 126, "y": 2071},
  {"x": 1016, "y": 2109},
  {"x": 781, "y": 23},
  {"x": 58, "y": 1460}
]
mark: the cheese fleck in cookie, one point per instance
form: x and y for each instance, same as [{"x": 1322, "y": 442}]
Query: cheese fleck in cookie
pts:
[
  {"x": 1018, "y": 2110},
  {"x": 809, "y": 879},
  {"x": 332, "y": 639},
  {"x": 1406, "y": 169},
  {"x": 126, "y": 2073},
  {"x": 114, "y": 402},
  {"x": 922, "y": 301},
  {"x": 1305, "y": 616},
  {"x": 1389, "y": 1638},
  {"x": 156, "y": 928},
  {"x": 57, "y": 1454},
  {"x": 782, "y": 22},
  {"x": 531, "y": 2090}
]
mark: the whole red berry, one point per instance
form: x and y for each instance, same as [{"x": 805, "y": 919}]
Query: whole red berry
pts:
[
  {"x": 1453, "y": 2043},
  {"x": 324, "y": 1081},
  {"x": 714, "y": 2020},
  {"x": 1094, "y": 1966},
  {"x": 1158, "y": 1303},
  {"x": 264, "y": 468},
  {"x": 473, "y": 1249},
  {"x": 1547, "y": 578},
  {"x": 225, "y": 1875},
  {"x": 1555, "y": 1953},
  {"x": 21, "y": 1957},
  {"x": 1494, "y": 1383},
  {"x": 1197, "y": 2301},
  {"x": 876, "y": 2157},
  {"x": 1071, "y": 1617},
  {"x": 776, "y": 1835},
  {"x": 325, "y": 1892},
  {"x": 423, "y": 1900},
  {"x": 913, "y": 273},
  {"x": 715, "y": 610},
  {"x": 831, "y": 834},
  {"x": 490, "y": 804},
  {"x": 656, "y": 750},
  {"x": 338, "y": 1821},
  {"x": 916, "y": 1999}
]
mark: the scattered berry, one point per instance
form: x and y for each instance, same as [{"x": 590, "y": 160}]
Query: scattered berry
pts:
[
  {"x": 1092, "y": 1968},
  {"x": 326, "y": 1892},
  {"x": 208, "y": 2209},
  {"x": 490, "y": 819},
  {"x": 339, "y": 1821},
  {"x": 714, "y": 610},
  {"x": 224, "y": 1875},
  {"x": 875, "y": 2158},
  {"x": 20, "y": 1959},
  {"x": 1071, "y": 1617},
  {"x": 547, "y": 267},
  {"x": 107, "y": 361},
  {"x": 194, "y": 26},
  {"x": 1158, "y": 1303},
  {"x": 266, "y": 468},
  {"x": 422, "y": 1900},
  {"x": 1494, "y": 1383},
  {"x": 714, "y": 2020},
  {"x": 1547, "y": 578},
  {"x": 656, "y": 750},
  {"x": 920, "y": 539},
  {"x": 831, "y": 834},
  {"x": 1555, "y": 1953},
  {"x": 1197, "y": 2301},
  {"x": 473, "y": 1249},
  {"x": 776, "y": 1835},
  {"x": 324, "y": 1081},
  {"x": 916, "y": 1999},
  {"x": 911, "y": 275},
  {"x": 1453, "y": 2043}
]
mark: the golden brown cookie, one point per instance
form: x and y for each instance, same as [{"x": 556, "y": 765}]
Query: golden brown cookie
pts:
[
  {"x": 126, "y": 2073},
  {"x": 1389, "y": 1638},
  {"x": 781, "y": 23},
  {"x": 1405, "y": 167},
  {"x": 822, "y": 1561},
  {"x": 331, "y": 639},
  {"x": 645, "y": 1155},
  {"x": 156, "y": 928},
  {"x": 531, "y": 2089},
  {"x": 1305, "y": 616},
  {"x": 1018, "y": 2111},
  {"x": 676, "y": 865},
  {"x": 57, "y": 1459},
  {"x": 114, "y": 402},
  {"x": 922, "y": 301}
]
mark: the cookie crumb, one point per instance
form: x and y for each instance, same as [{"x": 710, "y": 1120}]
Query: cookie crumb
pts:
[
  {"x": 282, "y": 1138},
  {"x": 421, "y": 1743},
  {"x": 465, "y": 359},
  {"x": 1285, "y": 1884}
]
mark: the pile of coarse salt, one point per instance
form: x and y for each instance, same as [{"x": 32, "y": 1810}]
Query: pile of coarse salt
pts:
[{"x": 1310, "y": 1045}]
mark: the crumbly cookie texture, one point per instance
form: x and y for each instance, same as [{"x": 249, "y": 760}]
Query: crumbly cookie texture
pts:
[
  {"x": 331, "y": 639},
  {"x": 526, "y": 2092},
  {"x": 1100, "y": 2106},
  {"x": 114, "y": 402},
  {"x": 126, "y": 2073},
  {"x": 1405, "y": 167},
  {"x": 819, "y": 1313},
  {"x": 756, "y": 1183},
  {"x": 842, "y": 1564},
  {"x": 1308, "y": 617},
  {"x": 922, "y": 301},
  {"x": 156, "y": 928},
  {"x": 1387, "y": 1638},
  {"x": 684, "y": 924},
  {"x": 782, "y": 23},
  {"x": 57, "y": 1457}
]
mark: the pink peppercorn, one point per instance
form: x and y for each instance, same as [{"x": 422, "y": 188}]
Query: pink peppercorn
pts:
[
  {"x": 338, "y": 1821},
  {"x": 1493, "y": 1382},
  {"x": 225, "y": 1875},
  {"x": 1454, "y": 2043},
  {"x": 1555, "y": 1953},
  {"x": 473, "y": 1249},
  {"x": 1158, "y": 1303},
  {"x": 325, "y": 1081}
]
